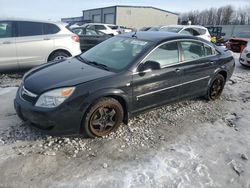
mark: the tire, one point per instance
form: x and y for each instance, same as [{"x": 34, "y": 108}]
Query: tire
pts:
[
  {"x": 103, "y": 117},
  {"x": 58, "y": 55},
  {"x": 216, "y": 87}
]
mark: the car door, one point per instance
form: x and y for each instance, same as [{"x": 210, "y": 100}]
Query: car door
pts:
[
  {"x": 33, "y": 47},
  {"x": 8, "y": 56},
  {"x": 155, "y": 87},
  {"x": 197, "y": 66}
]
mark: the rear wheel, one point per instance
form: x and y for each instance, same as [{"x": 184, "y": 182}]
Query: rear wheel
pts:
[
  {"x": 104, "y": 117},
  {"x": 216, "y": 87},
  {"x": 58, "y": 55}
]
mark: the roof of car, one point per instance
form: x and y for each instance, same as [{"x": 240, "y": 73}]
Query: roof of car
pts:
[
  {"x": 31, "y": 20},
  {"x": 186, "y": 26},
  {"x": 157, "y": 36}
]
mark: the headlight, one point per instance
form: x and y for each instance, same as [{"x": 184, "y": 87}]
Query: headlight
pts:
[{"x": 54, "y": 98}]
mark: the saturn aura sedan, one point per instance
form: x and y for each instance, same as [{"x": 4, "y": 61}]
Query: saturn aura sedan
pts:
[{"x": 93, "y": 93}]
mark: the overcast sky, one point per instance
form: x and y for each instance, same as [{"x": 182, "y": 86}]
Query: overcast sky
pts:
[{"x": 57, "y": 9}]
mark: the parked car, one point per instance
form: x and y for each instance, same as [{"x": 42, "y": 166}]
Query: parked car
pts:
[
  {"x": 119, "y": 78},
  {"x": 193, "y": 30},
  {"x": 108, "y": 29},
  {"x": 239, "y": 42},
  {"x": 25, "y": 44},
  {"x": 245, "y": 56},
  {"x": 125, "y": 29},
  {"x": 89, "y": 38}
]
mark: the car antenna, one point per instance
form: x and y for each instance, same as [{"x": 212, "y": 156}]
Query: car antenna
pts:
[{"x": 134, "y": 35}]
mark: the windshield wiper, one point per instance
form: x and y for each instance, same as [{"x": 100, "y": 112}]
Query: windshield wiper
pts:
[{"x": 95, "y": 63}]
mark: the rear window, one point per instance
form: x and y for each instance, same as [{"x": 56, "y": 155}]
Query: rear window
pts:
[
  {"x": 201, "y": 31},
  {"x": 30, "y": 29},
  {"x": 192, "y": 50},
  {"x": 113, "y": 27},
  {"x": 50, "y": 29},
  {"x": 171, "y": 29}
]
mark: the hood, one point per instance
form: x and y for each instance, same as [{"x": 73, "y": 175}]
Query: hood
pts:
[{"x": 61, "y": 74}]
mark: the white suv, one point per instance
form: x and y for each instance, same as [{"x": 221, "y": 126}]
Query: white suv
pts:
[
  {"x": 194, "y": 30},
  {"x": 245, "y": 56},
  {"x": 25, "y": 44},
  {"x": 108, "y": 29}
]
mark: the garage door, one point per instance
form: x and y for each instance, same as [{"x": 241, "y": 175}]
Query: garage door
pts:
[
  {"x": 109, "y": 18},
  {"x": 96, "y": 18}
]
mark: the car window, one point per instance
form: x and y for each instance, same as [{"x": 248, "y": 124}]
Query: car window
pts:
[
  {"x": 91, "y": 32},
  {"x": 208, "y": 50},
  {"x": 30, "y": 29},
  {"x": 201, "y": 31},
  {"x": 100, "y": 27},
  {"x": 185, "y": 32},
  {"x": 5, "y": 29},
  {"x": 79, "y": 31},
  {"x": 50, "y": 28},
  {"x": 166, "y": 54},
  {"x": 192, "y": 50},
  {"x": 91, "y": 27},
  {"x": 196, "y": 32},
  {"x": 113, "y": 27},
  {"x": 171, "y": 29}
]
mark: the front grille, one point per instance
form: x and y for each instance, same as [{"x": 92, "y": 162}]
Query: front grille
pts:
[{"x": 27, "y": 95}]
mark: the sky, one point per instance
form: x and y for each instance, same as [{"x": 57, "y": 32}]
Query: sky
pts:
[{"x": 57, "y": 9}]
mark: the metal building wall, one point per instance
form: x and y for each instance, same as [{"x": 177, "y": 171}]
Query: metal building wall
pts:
[{"x": 137, "y": 17}]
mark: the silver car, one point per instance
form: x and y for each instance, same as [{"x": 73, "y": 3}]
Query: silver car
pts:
[{"x": 25, "y": 44}]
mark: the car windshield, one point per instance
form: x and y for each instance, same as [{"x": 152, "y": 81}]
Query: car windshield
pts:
[
  {"x": 243, "y": 35},
  {"x": 116, "y": 53},
  {"x": 171, "y": 29}
]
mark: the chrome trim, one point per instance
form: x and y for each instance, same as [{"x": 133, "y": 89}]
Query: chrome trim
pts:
[
  {"x": 156, "y": 91},
  {"x": 28, "y": 93},
  {"x": 180, "y": 62}
]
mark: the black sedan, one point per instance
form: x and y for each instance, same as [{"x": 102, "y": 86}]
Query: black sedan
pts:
[
  {"x": 92, "y": 94},
  {"x": 89, "y": 38}
]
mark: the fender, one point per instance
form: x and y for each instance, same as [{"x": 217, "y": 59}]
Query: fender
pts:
[{"x": 219, "y": 69}]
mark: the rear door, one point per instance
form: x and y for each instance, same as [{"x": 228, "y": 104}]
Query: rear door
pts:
[
  {"x": 8, "y": 56},
  {"x": 198, "y": 65},
  {"x": 33, "y": 46},
  {"x": 157, "y": 87}
]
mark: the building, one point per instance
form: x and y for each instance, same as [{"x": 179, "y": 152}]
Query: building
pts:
[{"x": 130, "y": 16}]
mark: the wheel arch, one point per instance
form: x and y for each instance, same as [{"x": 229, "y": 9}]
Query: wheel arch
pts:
[{"x": 58, "y": 50}]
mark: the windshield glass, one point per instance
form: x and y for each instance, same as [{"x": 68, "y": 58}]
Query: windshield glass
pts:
[
  {"x": 243, "y": 35},
  {"x": 115, "y": 53},
  {"x": 171, "y": 29}
]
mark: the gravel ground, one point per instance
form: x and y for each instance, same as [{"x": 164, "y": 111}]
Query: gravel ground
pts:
[{"x": 192, "y": 143}]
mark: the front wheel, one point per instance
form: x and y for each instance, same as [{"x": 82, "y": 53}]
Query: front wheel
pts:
[
  {"x": 104, "y": 117},
  {"x": 216, "y": 87}
]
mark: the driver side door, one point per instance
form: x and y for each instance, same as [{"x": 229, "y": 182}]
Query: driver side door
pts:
[{"x": 152, "y": 88}]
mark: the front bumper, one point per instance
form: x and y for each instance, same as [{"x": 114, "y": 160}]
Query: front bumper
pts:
[
  {"x": 244, "y": 61},
  {"x": 63, "y": 120}
]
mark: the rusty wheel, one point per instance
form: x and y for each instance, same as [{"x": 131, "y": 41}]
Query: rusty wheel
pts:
[
  {"x": 104, "y": 117},
  {"x": 216, "y": 87}
]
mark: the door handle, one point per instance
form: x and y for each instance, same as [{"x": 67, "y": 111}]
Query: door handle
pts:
[
  {"x": 212, "y": 62},
  {"x": 177, "y": 70},
  {"x": 6, "y": 42}
]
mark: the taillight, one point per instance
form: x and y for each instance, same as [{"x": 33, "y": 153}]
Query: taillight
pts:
[{"x": 76, "y": 38}]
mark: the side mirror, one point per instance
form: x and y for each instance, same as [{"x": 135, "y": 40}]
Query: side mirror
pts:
[{"x": 149, "y": 65}]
